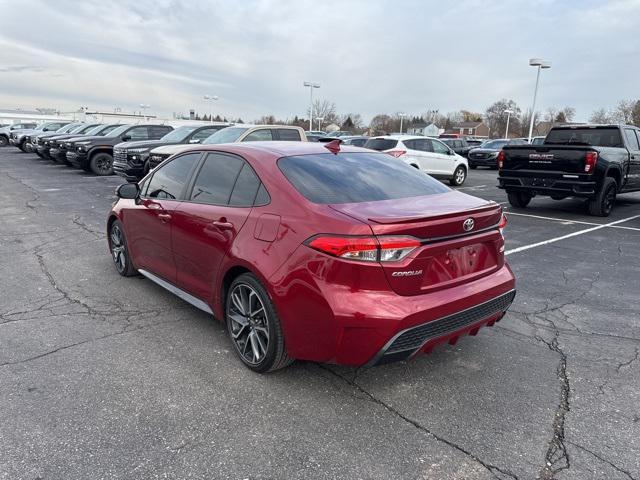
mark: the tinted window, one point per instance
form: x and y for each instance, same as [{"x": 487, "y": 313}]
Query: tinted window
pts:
[
  {"x": 117, "y": 131},
  {"x": 356, "y": 177},
  {"x": 262, "y": 198},
  {"x": 205, "y": 133},
  {"x": 137, "y": 133},
  {"x": 178, "y": 135},
  {"x": 258, "y": 136},
  {"x": 381, "y": 144},
  {"x": 632, "y": 140},
  {"x": 289, "y": 134},
  {"x": 537, "y": 141},
  {"x": 495, "y": 144},
  {"x": 424, "y": 145},
  {"x": 158, "y": 132},
  {"x": 169, "y": 180},
  {"x": 216, "y": 179},
  {"x": 245, "y": 189},
  {"x": 597, "y": 137},
  {"x": 358, "y": 142}
]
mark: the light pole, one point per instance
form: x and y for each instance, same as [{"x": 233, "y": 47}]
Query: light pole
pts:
[
  {"x": 144, "y": 108},
  {"x": 319, "y": 119},
  {"x": 311, "y": 86},
  {"x": 540, "y": 64},
  {"x": 401, "y": 115},
  {"x": 506, "y": 130},
  {"x": 210, "y": 99}
]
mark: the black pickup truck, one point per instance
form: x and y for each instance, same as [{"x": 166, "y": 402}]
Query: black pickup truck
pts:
[{"x": 595, "y": 162}]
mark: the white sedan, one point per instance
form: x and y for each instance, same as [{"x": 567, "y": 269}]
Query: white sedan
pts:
[{"x": 427, "y": 154}]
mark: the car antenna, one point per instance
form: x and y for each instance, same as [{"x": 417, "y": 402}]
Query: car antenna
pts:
[{"x": 333, "y": 146}]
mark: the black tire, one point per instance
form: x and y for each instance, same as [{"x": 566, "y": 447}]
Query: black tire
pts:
[
  {"x": 519, "y": 199},
  {"x": 602, "y": 205},
  {"x": 4, "y": 141},
  {"x": 240, "y": 327},
  {"x": 101, "y": 164},
  {"x": 473, "y": 167},
  {"x": 459, "y": 176},
  {"x": 558, "y": 197},
  {"x": 120, "y": 251}
]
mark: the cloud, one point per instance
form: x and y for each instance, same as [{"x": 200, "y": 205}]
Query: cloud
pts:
[{"x": 370, "y": 57}]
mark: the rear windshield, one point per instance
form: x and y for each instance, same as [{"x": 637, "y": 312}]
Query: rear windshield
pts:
[
  {"x": 597, "y": 137},
  {"x": 356, "y": 177},
  {"x": 495, "y": 144},
  {"x": 380, "y": 144}
]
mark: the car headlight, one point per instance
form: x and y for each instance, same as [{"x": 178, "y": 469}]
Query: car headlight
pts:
[{"x": 137, "y": 150}]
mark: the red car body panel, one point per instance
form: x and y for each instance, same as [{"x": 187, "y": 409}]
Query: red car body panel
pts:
[{"x": 331, "y": 309}]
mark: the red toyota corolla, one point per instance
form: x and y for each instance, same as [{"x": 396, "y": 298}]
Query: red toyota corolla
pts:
[{"x": 315, "y": 251}]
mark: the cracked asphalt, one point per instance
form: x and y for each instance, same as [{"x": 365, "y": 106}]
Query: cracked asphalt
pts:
[{"x": 104, "y": 377}]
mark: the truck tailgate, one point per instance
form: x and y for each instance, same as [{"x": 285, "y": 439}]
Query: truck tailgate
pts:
[{"x": 553, "y": 158}]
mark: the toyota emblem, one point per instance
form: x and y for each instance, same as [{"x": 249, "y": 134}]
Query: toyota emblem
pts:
[{"x": 468, "y": 224}]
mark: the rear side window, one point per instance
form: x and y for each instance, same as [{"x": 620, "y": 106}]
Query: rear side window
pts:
[
  {"x": 632, "y": 140},
  {"x": 216, "y": 179},
  {"x": 597, "y": 137},
  {"x": 138, "y": 133},
  {"x": 169, "y": 180},
  {"x": 356, "y": 177},
  {"x": 289, "y": 134},
  {"x": 439, "y": 147},
  {"x": 381, "y": 144},
  {"x": 158, "y": 132},
  {"x": 245, "y": 188},
  {"x": 358, "y": 142}
]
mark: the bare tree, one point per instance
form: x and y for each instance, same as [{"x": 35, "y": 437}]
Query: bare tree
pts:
[
  {"x": 495, "y": 117},
  {"x": 381, "y": 124},
  {"x": 636, "y": 114},
  {"x": 600, "y": 115},
  {"x": 326, "y": 110},
  {"x": 623, "y": 112}
]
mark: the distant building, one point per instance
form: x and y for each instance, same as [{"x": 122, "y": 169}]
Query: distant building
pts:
[
  {"x": 470, "y": 129},
  {"x": 428, "y": 130}
]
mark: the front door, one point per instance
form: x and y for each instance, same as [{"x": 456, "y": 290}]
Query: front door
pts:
[
  {"x": 149, "y": 224},
  {"x": 444, "y": 158},
  {"x": 633, "y": 144},
  {"x": 206, "y": 224}
]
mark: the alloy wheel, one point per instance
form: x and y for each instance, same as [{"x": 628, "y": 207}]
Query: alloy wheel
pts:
[
  {"x": 248, "y": 323},
  {"x": 117, "y": 248},
  {"x": 460, "y": 176},
  {"x": 103, "y": 164}
]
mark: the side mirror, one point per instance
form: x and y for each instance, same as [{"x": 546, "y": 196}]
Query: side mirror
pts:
[
  {"x": 194, "y": 140},
  {"x": 451, "y": 152},
  {"x": 125, "y": 138},
  {"x": 129, "y": 191}
]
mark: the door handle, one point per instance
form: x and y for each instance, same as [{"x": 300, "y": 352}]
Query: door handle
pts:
[
  {"x": 164, "y": 217},
  {"x": 223, "y": 225}
]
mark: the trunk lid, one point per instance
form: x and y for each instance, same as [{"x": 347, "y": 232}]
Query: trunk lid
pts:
[
  {"x": 449, "y": 254},
  {"x": 552, "y": 158}
]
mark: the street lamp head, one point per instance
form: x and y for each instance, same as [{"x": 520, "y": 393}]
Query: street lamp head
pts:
[
  {"x": 402, "y": 114},
  {"x": 538, "y": 62},
  {"x": 545, "y": 64},
  {"x": 508, "y": 111},
  {"x": 312, "y": 84}
]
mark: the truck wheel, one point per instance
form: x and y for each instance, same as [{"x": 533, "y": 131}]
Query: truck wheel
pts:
[
  {"x": 519, "y": 199},
  {"x": 3, "y": 141},
  {"x": 459, "y": 176},
  {"x": 602, "y": 205},
  {"x": 101, "y": 164}
]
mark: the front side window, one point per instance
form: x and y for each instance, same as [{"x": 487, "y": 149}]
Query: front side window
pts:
[
  {"x": 216, "y": 179},
  {"x": 260, "y": 135},
  {"x": 157, "y": 132},
  {"x": 347, "y": 177},
  {"x": 178, "y": 135},
  {"x": 203, "y": 134},
  {"x": 169, "y": 181},
  {"x": 137, "y": 133},
  {"x": 439, "y": 147}
]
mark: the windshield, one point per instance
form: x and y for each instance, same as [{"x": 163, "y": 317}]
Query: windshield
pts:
[
  {"x": 67, "y": 128},
  {"x": 178, "y": 135},
  {"x": 78, "y": 128},
  {"x": 226, "y": 135},
  {"x": 494, "y": 144},
  {"x": 114, "y": 133},
  {"x": 95, "y": 130},
  {"x": 356, "y": 177},
  {"x": 597, "y": 137}
]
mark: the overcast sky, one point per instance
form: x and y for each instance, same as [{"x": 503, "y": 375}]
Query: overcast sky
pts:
[{"x": 369, "y": 56}]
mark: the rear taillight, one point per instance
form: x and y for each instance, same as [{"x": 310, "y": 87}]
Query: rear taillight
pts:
[
  {"x": 503, "y": 223},
  {"x": 590, "y": 160},
  {"x": 397, "y": 153},
  {"x": 365, "y": 249},
  {"x": 500, "y": 159}
]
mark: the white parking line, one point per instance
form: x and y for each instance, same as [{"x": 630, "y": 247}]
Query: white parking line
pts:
[
  {"x": 574, "y": 234},
  {"x": 477, "y": 187},
  {"x": 563, "y": 220}
]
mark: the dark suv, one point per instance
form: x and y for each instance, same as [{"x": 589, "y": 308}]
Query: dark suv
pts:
[
  {"x": 40, "y": 144},
  {"x": 458, "y": 145},
  {"x": 131, "y": 159},
  {"x": 59, "y": 145},
  {"x": 95, "y": 154},
  {"x": 487, "y": 154}
]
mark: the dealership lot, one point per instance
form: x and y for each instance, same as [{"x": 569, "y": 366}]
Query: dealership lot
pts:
[{"x": 104, "y": 377}]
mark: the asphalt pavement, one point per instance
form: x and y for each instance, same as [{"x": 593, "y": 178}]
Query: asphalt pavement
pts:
[{"x": 104, "y": 377}]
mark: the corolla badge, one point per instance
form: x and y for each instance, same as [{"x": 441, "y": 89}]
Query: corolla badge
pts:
[
  {"x": 468, "y": 224},
  {"x": 407, "y": 273}
]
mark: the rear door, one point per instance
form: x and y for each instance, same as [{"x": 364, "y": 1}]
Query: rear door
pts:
[
  {"x": 288, "y": 134},
  {"x": 148, "y": 223},
  {"x": 632, "y": 136},
  {"x": 206, "y": 224}
]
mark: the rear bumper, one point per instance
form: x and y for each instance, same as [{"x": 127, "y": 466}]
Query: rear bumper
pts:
[
  {"x": 366, "y": 323},
  {"x": 549, "y": 186},
  {"x": 483, "y": 162}
]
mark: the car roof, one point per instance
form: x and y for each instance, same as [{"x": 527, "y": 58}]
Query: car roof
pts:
[
  {"x": 401, "y": 137},
  {"x": 276, "y": 148}
]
